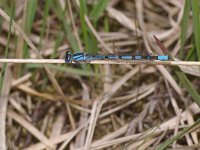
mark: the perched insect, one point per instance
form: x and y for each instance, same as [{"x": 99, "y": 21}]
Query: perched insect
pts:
[{"x": 81, "y": 57}]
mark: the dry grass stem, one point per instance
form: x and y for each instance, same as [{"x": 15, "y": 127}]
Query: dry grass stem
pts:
[{"x": 130, "y": 62}]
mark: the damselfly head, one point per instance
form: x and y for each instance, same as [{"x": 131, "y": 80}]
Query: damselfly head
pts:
[{"x": 67, "y": 56}]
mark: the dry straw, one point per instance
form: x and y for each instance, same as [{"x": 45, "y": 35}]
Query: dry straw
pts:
[{"x": 61, "y": 61}]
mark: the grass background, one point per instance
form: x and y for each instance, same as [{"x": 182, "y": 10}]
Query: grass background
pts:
[{"x": 69, "y": 95}]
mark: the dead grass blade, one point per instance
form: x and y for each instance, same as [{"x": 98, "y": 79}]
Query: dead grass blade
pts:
[
  {"x": 58, "y": 125},
  {"x": 102, "y": 100},
  {"x": 57, "y": 140},
  {"x": 122, "y": 19},
  {"x": 80, "y": 139},
  {"x": 128, "y": 103},
  {"x": 3, "y": 106},
  {"x": 29, "y": 127},
  {"x": 33, "y": 92}
]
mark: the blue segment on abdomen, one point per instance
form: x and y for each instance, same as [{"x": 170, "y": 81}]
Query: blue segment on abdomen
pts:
[
  {"x": 126, "y": 57},
  {"x": 100, "y": 57},
  {"x": 113, "y": 57},
  {"x": 163, "y": 57},
  {"x": 138, "y": 57},
  {"x": 79, "y": 57}
]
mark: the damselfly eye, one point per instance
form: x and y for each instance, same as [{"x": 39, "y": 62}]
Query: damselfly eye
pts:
[{"x": 67, "y": 56}]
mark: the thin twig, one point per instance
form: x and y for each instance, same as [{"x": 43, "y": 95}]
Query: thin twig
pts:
[{"x": 134, "y": 62}]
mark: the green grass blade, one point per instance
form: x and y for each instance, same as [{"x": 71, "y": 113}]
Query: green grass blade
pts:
[
  {"x": 164, "y": 145},
  {"x": 47, "y": 7},
  {"x": 191, "y": 54},
  {"x": 31, "y": 11},
  {"x": 184, "y": 25},
  {"x": 7, "y": 46},
  {"x": 106, "y": 24},
  {"x": 30, "y": 16},
  {"x": 83, "y": 24},
  {"x": 65, "y": 69},
  {"x": 59, "y": 39},
  {"x": 1, "y": 23},
  {"x": 67, "y": 28},
  {"x": 95, "y": 14},
  {"x": 188, "y": 85},
  {"x": 196, "y": 25},
  {"x": 98, "y": 9},
  {"x": 93, "y": 44}
]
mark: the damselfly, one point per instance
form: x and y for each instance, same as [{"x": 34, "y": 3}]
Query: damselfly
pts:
[{"x": 85, "y": 57}]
